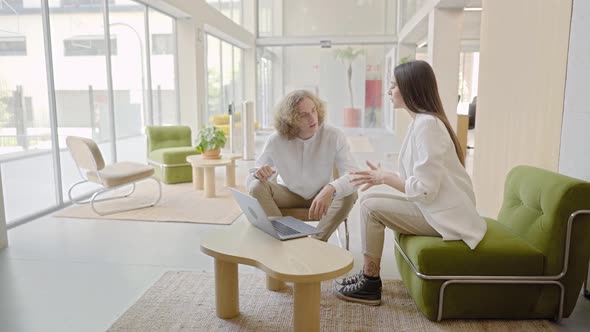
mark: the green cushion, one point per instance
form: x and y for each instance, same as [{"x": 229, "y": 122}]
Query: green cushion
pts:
[
  {"x": 172, "y": 156},
  {"x": 527, "y": 239},
  {"x": 501, "y": 252},
  {"x": 478, "y": 301},
  {"x": 171, "y": 175},
  {"x": 159, "y": 137}
]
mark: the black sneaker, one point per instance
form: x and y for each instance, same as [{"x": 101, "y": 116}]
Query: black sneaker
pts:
[
  {"x": 353, "y": 279},
  {"x": 363, "y": 291}
]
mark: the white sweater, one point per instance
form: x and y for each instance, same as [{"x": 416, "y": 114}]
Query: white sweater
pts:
[{"x": 306, "y": 166}]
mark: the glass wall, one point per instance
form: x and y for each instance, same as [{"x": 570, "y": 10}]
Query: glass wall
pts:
[
  {"x": 352, "y": 101},
  {"x": 163, "y": 71},
  {"x": 225, "y": 86},
  {"x": 408, "y": 8},
  {"x": 231, "y": 9},
  {"x": 79, "y": 56},
  {"x": 26, "y": 162},
  {"x": 131, "y": 106},
  {"x": 326, "y": 17},
  {"x": 214, "y": 102}
]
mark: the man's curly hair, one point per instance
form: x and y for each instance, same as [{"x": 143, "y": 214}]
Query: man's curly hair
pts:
[{"x": 286, "y": 116}]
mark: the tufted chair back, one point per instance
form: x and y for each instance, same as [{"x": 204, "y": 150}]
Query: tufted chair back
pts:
[
  {"x": 537, "y": 205},
  {"x": 159, "y": 137}
]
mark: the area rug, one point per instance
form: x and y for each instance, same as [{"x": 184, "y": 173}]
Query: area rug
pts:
[
  {"x": 179, "y": 203},
  {"x": 185, "y": 301}
]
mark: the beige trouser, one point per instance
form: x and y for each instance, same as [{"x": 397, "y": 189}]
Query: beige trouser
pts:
[
  {"x": 273, "y": 196},
  {"x": 380, "y": 210}
]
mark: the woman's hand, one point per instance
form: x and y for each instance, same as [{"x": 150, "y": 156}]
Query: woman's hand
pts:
[
  {"x": 370, "y": 178},
  {"x": 376, "y": 176}
]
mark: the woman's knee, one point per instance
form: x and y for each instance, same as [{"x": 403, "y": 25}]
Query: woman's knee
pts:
[{"x": 370, "y": 204}]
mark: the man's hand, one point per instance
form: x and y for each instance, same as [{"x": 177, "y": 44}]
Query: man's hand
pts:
[
  {"x": 321, "y": 203},
  {"x": 264, "y": 173}
]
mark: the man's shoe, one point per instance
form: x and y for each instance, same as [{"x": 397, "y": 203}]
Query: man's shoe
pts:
[
  {"x": 353, "y": 279},
  {"x": 363, "y": 291}
]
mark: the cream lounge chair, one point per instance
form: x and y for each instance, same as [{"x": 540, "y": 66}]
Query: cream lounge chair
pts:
[{"x": 92, "y": 168}]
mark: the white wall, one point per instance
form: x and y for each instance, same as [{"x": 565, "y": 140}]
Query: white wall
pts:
[
  {"x": 520, "y": 102},
  {"x": 574, "y": 159}
]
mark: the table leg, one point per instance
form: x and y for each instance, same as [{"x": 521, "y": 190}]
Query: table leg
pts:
[
  {"x": 209, "y": 181},
  {"x": 227, "y": 300},
  {"x": 273, "y": 284},
  {"x": 586, "y": 291},
  {"x": 306, "y": 313},
  {"x": 198, "y": 178},
  {"x": 230, "y": 174}
]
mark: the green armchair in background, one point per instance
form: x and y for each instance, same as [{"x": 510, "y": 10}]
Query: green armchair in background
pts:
[
  {"x": 530, "y": 264},
  {"x": 167, "y": 148}
]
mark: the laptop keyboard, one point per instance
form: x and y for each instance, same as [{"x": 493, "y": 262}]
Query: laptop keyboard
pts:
[{"x": 283, "y": 229}]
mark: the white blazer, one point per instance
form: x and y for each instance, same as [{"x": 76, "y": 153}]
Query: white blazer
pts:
[{"x": 437, "y": 183}]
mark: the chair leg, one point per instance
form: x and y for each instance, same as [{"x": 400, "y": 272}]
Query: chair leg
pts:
[
  {"x": 86, "y": 201},
  {"x": 346, "y": 235},
  {"x": 586, "y": 291},
  {"x": 102, "y": 191},
  {"x": 346, "y": 241}
]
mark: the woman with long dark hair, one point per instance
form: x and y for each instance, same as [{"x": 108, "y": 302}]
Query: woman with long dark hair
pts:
[{"x": 437, "y": 195}]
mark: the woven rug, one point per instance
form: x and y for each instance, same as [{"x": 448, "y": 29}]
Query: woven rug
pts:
[
  {"x": 179, "y": 203},
  {"x": 185, "y": 301}
]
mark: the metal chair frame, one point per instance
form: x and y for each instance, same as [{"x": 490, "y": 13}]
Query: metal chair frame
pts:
[
  {"x": 93, "y": 199},
  {"x": 471, "y": 279}
]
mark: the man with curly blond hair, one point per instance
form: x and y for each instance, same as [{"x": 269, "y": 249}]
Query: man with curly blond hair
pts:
[{"x": 300, "y": 156}]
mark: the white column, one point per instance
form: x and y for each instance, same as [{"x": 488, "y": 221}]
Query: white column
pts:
[
  {"x": 3, "y": 234},
  {"x": 574, "y": 159},
  {"x": 522, "y": 75},
  {"x": 444, "y": 45}
]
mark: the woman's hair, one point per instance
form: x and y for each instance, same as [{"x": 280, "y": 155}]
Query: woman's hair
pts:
[
  {"x": 286, "y": 117},
  {"x": 418, "y": 88}
]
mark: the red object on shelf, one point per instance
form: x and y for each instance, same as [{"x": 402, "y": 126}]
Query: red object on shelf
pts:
[
  {"x": 352, "y": 117},
  {"x": 373, "y": 93}
]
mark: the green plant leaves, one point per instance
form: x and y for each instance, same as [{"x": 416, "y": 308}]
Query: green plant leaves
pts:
[{"x": 209, "y": 138}]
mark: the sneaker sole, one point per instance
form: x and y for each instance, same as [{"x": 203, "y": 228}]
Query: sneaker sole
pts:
[{"x": 354, "y": 299}]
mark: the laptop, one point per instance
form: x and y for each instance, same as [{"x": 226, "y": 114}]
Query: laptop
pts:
[{"x": 282, "y": 228}]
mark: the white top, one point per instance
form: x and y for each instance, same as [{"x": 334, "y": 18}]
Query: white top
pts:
[
  {"x": 437, "y": 182},
  {"x": 306, "y": 166}
]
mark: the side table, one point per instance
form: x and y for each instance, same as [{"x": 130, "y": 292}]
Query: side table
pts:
[{"x": 204, "y": 172}]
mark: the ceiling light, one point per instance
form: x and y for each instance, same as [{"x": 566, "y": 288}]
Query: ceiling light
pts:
[{"x": 472, "y": 9}]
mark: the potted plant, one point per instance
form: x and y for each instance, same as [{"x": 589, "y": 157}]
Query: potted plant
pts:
[
  {"x": 209, "y": 142},
  {"x": 347, "y": 56}
]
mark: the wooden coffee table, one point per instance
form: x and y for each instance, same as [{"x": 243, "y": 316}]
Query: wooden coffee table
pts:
[
  {"x": 204, "y": 172},
  {"x": 306, "y": 262}
]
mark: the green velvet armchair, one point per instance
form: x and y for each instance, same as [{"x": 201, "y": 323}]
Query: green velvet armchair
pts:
[
  {"x": 530, "y": 264},
  {"x": 167, "y": 148}
]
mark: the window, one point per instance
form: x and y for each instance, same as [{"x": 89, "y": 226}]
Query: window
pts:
[
  {"x": 83, "y": 3},
  {"x": 11, "y": 4},
  {"x": 162, "y": 43},
  {"x": 16, "y": 45},
  {"x": 88, "y": 45}
]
